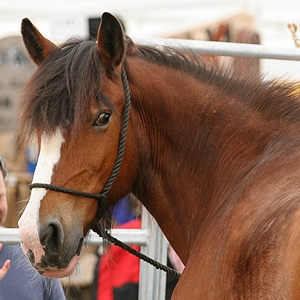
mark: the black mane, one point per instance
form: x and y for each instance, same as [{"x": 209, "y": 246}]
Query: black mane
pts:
[{"x": 274, "y": 99}]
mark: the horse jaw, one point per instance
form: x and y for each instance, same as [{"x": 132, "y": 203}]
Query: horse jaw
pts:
[{"x": 29, "y": 221}]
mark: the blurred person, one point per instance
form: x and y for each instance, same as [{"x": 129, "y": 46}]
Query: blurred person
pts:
[{"x": 19, "y": 279}]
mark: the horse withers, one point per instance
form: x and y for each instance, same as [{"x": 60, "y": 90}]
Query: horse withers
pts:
[{"x": 214, "y": 159}]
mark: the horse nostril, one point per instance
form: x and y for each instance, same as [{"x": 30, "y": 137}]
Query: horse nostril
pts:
[
  {"x": 46, "y": 235},
  {"x": 52, "y": 236}
]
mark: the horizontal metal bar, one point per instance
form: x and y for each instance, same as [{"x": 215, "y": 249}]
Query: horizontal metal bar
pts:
[
  {"x": 128, "y": 236},
  {"x": 224, "y": 48},
  {"x": 9, "y": 236}
]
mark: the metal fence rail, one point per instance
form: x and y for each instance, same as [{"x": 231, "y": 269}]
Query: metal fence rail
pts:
[
  {"x": 225, "y": 49},
  {"x": 129, "y": 236}
]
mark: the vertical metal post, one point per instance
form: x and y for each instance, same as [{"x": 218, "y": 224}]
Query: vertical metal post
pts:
[{"x": 152, "y": 284}]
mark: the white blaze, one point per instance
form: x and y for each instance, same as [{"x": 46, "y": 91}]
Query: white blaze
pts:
[{"x": 29, "y": 221}]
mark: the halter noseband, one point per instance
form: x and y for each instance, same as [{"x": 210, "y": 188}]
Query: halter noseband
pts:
[{"x": 102, "y": 196}]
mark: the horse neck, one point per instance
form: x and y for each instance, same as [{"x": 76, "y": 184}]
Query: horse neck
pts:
[{"x": 189, "y": 140}]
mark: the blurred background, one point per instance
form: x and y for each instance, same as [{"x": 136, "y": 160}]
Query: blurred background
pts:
[
  {"x": 59, "y": 19},
  {"x": 247, "y": 21}
]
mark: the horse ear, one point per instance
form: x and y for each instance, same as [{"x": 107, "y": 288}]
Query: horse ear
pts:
[
  {"x": 111, "y": 44},
  {"x": 37, "y": 46}
]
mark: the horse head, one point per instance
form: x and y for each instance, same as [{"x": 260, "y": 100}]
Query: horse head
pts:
[{"x": 74, "y": 103}]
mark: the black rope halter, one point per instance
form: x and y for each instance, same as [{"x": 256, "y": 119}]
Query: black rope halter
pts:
[{"x": 102, "y": 196}]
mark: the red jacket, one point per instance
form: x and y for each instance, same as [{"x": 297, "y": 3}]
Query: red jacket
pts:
[{"x": 118, "y": 273}]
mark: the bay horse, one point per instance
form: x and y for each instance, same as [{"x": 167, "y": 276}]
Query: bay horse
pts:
[{"x": 214, "y": 159}]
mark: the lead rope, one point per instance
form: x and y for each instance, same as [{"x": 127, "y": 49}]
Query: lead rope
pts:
[{"x": 104, "y": 234}]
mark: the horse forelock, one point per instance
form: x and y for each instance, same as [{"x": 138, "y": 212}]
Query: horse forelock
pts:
[{"x": 60, "y": 92}]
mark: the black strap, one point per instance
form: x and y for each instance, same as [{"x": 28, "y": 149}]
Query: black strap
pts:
[{"x": 61, "y": 189}]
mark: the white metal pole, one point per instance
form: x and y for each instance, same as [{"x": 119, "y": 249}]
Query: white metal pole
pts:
[
  {"x": 152, "y": 284},
  {"x": 224, "y": 48},
  {"x": 128, "y": 236}
]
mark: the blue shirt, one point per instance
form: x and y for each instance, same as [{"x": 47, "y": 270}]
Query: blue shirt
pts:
[
  {"x": 23, "y": 282},
  {"x": 122, "y": 211}
]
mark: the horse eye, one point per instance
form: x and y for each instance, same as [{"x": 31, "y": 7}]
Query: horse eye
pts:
[{"x": 102, "y": 119}]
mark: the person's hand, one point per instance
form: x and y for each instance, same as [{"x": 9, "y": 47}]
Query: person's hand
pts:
[{"x": 5, "y": 267}]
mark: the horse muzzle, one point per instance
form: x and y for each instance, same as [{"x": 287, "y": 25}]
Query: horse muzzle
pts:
[{"x": 56, "y": 253}]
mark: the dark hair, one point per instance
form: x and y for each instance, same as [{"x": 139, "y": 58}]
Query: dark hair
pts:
[{"x": 3, "y": 166}]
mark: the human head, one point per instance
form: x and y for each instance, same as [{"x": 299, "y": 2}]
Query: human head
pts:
[{"x": 3, "y": 201}]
